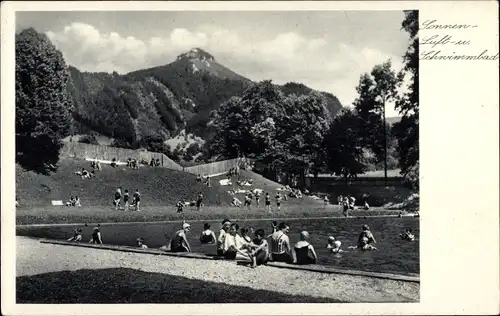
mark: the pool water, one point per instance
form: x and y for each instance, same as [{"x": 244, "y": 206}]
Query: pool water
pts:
[{"x": 394, "y": 255}]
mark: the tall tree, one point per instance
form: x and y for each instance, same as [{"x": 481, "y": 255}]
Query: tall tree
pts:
[
  {"x": 385, "y": 91},
  {"x": 344, "y": 145},
  {"x": 42, "y": 103},
  {"x": 407, "y": 130}
]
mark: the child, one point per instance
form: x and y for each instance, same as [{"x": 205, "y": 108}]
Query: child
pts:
[
  {"x": 325, "y": 200},
  {"x": 140, "y": 243},
  {"x": 257, "y": 198},
  {"x": 96, "y": 236},
  {"x": 77, "y": 236},
  {"x": 207, "y": 235},
  {"x": 302, "y": 250}
]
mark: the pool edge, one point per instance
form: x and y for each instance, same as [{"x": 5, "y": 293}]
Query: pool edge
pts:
[{"x": 316, "y": 268}]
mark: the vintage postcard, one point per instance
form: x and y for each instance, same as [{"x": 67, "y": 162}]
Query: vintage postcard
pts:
[{"x": 250, "y": 158}]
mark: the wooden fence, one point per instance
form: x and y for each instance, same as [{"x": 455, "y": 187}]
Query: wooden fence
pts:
[{"x": 82, "y": 151}]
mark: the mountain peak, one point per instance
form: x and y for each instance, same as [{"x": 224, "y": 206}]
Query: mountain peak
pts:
[{"x": 197, "y": 54}]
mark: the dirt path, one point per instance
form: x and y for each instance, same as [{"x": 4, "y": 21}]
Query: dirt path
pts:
[{"x": 34, "y": 257}]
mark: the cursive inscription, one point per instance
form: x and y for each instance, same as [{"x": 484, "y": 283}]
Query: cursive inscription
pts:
[{"x": 441, "y": 41}]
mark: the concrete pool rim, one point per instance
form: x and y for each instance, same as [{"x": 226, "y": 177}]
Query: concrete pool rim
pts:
[
  {"x": 316, "y": 268},
  {"x": 216, "y": 220}
]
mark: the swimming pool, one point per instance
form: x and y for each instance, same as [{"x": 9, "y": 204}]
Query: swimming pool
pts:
[{"x": 394, "y": 255}]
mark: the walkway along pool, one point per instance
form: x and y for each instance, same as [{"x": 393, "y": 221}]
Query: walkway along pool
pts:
[{"x": 394, "y": 255}]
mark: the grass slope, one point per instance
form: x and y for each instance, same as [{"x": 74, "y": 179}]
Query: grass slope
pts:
[{"x": 158, "y": 186}]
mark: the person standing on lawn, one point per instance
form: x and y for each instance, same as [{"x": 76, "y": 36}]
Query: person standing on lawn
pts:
[
  {"x": 118, "y": 197},
  {"x": 125, "y": 200},
  {"x": 137, "y": 200},
  {"x": 199, "y": 201},
  {"x": 268, "y": 202}
]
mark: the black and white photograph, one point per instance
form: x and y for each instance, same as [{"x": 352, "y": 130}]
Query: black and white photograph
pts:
[{"x": 217, "y": 157}]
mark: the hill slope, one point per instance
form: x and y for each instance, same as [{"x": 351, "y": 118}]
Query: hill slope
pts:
[{"x": 158, "y": 186}]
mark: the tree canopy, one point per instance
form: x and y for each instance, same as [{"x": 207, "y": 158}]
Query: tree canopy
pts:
[{"x": 42, "y": 103}]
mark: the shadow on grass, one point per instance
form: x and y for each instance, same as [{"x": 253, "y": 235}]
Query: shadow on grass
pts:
[{"x": 122, "y": 285}]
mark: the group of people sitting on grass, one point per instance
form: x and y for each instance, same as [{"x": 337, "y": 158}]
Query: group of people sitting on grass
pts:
[
  {"x": 136, "y": 200},
  {"x": 85, "y": 174},
  {"x": 198, "y": 203},
  {"x": 95, "y": 165},
  {"x": 133, "y": 164},
  {"x": 154, "y": 162},
  {"x": 205, "y": 179},
  {"x": 74, "y": 201}
]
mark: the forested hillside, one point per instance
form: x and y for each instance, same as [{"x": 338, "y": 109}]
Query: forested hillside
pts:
[{"x": 158, "y": 103}]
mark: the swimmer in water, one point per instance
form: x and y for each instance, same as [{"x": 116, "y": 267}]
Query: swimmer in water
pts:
[
  {"x": 77, "y": 236},
  {"x": 366, "y": 239},
  {"x": 407, "y": 235},
  {"x": 140, "y": 243},
  {"x": 207, "y": 235},
  {"x": 334, "y": 245},
  {"x": 96, "y": 236}
]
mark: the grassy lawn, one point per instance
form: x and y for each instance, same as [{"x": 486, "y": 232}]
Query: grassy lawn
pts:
[
  {"x": 59, "y": 215},
  {"x": 121, "y": 285}
]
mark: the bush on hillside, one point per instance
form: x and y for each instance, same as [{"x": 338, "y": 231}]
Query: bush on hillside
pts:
[{"x": 88, "y": 139}]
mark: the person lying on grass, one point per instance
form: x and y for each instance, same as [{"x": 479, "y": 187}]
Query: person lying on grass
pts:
[
  {"x": 179, "y": 242},
  {"x": 407, "y": 235},
  {"x": 96, "y": 236},
  {"x": 303, "y": 252},
  {"x": 207, "y": 235},
  {"x": 77, "y": 235},
  {"x": 222, "y": 236},
  {"x": 236, "y": 202}
]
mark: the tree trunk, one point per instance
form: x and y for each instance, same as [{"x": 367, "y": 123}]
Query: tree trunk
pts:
[{"x": 385, "y": 146}]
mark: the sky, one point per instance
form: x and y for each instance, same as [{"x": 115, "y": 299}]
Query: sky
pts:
[{"x": 325, "y": 50}]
